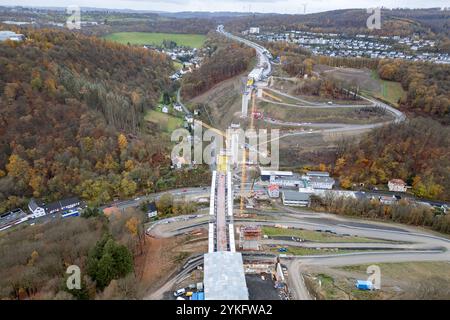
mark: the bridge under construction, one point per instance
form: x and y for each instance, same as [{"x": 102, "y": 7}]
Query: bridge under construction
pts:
[{"x": 224, "y": 277}]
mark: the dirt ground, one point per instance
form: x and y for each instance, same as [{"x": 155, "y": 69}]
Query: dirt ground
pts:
[
  {"x": 222, "y": 103},
  {"x": 340, "y": 115},
  {"x": 163, "y": 258},
  {"x": 260, "y": 289},
  {"x": 409, "y": 280},
  {"x": 289, "y": 86},
  {"x": 297, "y": 151}
]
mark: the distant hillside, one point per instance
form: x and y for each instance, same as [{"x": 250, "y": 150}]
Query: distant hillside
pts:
[
  {"x": 71, "y": 109},
  {"x": 399, "y": 21},
  {"x": 417, "y": 151}
]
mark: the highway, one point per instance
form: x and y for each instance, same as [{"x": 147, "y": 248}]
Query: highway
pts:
[
  {"x": 262, "y": 53},
  {"x": 391, "y": 242},
  {"x": 184, "y": 193},
  {"x": 264, "y": 61}
]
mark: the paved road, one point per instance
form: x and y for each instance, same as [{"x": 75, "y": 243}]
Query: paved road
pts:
[
  {"x": 263, "y": 58},
  {"x": 186, "y": 193},
  {"x": 398, "y": 116},
  {"x": 185, "y": 109},
  {"x": 407, "y": 243}
]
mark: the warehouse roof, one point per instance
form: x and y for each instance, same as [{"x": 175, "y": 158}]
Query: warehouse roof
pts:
[
  {"x": 265, "y": 172},
  {"x": 318, "y": 173},
  {"x": 290, "y": 195},
  {"x": 224, "y": 277}
]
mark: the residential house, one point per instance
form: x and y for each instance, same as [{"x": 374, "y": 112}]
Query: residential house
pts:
[
  {"x": 387, "y": 200},
  {"x": 37, "y": 209},
  {"x": 177, "y": 107},
  {"x": 274, "y": 191},
  {"x": 178, "y": 162},
  {"x": 150, "y": 210},
  {"x": 397, "y": 185}
]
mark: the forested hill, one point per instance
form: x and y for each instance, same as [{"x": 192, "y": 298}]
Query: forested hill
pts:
[
  {"x": 70, "y": 110},
  {"x": 352, "y": 21}
]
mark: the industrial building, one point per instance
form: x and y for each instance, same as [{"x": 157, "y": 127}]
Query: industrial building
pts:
[
  {"x": 249, "y": 237},
  {"x": 305, "y": 186},
  {"x": 319, "y": 180},
  {"x": 295, "y": 199},
  {"x": 267, "y": 174}
]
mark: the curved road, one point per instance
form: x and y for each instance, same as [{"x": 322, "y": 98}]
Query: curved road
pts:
[
  {"x": 405, "y": 243},
  {"x": 264, "y": 61}
]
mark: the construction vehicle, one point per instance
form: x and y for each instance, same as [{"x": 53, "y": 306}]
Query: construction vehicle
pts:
[{"x": 257, "y": 115}]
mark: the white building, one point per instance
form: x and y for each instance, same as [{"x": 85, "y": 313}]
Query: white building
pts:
[
  {"x": 319, "y": 180},
  {"x": 274, "y": 191},
  {"x": 9, "y": 35},
  {"x": 151, "y": 210},
  {"x": 37, "y": 209},
  {"x": 305, "y": 187},
  {"x": 254, "y": 30},
  {"x": 283, "y": 181},
  {"x": 397, "y": 185},
  {"x": 164, "y": 109},
  {"x": 266, "y": 174}
]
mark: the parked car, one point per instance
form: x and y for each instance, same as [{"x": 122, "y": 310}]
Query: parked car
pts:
[{"x": 179, "y": 292}]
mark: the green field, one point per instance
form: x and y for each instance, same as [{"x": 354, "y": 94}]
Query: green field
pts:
[
  {"x": 314, "y": 235},
  {"x": 141, "y": 38},
  {"x": 390, "y": 91},
  {"x": 166, "y": 122}
]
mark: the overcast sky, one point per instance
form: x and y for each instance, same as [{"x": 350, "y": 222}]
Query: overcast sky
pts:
[{"x": 280, "y": 6}]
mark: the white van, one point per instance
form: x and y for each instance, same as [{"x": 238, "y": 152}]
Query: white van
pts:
[{"x": 179, "y": 292}]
